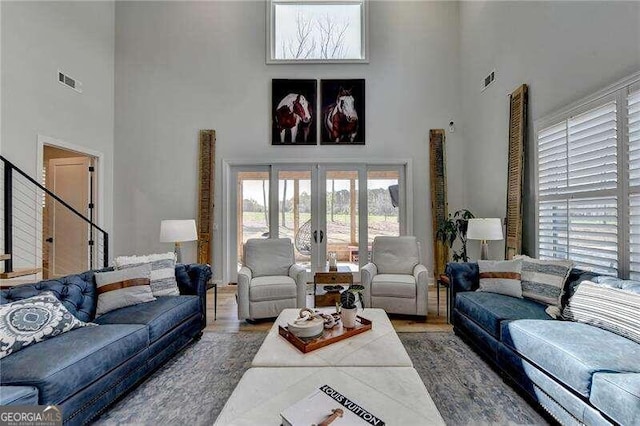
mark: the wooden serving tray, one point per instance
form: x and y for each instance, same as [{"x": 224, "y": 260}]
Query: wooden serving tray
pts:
[{"x": 334, "y": 335}]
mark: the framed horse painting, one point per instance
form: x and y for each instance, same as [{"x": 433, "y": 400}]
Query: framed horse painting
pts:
[
  {"x": 342, "y": 112},
  {"x": 293, "y": 104}
]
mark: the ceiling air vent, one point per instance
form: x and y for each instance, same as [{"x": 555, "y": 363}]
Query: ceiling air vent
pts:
[
  {"x": 69, "y": 82},
  {"x": 488, "y": 80}
]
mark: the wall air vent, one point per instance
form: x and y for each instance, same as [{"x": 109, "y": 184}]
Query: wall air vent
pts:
[
  {"x": 69, "y": 82},
  {"x": 488, "y": 80}
]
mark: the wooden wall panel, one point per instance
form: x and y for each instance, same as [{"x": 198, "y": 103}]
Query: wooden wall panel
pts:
[
  {"x": 206, "y": 188},
  {"x": 515, "y": 180},
  {"x": 439, "y": 204}
]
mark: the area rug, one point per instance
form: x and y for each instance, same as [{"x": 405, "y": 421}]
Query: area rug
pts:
[{"x": 193, "y": 387}]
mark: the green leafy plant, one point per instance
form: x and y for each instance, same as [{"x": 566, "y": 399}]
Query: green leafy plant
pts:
[
  {"x": 348, "y": 300},
  {"x": 454, "y": 228}
]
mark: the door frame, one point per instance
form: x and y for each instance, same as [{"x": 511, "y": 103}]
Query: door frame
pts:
[
  {"x": 228, "y": 240},
  {"x": 98, "y": 156}
]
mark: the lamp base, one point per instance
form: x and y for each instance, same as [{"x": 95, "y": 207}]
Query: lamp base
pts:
[
  {"x": 484, "y": 250},
  {"x": 178, "y": 251}
]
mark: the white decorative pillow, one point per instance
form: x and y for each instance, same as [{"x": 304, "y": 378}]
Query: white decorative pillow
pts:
[
  {"x": 612, "y": 309},
  {"x": 163, "y": 271},
  {"x": 502, "y": 277},
  {"x": 125, "y": 287},
  {"x": 28, "y": 321},
  {"x": 543, "y": 280}
]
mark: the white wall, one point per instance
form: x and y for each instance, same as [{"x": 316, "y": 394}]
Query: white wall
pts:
[
  {"x": 38, "y": 38},
  {"x": 186, "y": 66},
  {"x": 562, "y": 50}
]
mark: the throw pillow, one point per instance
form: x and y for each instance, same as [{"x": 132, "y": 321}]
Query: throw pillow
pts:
[
  {"x": 543, "y": 281},
  {"x": 122, "y": 288},
  {"x": 612, "y": 309},
  {"x": 502, "y": 277},
  {"x": 163, "y": 271},
  {"x": 28, "y": 321}
]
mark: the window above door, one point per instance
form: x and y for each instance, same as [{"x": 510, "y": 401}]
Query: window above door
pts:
[{"x": 328, "y": 31}]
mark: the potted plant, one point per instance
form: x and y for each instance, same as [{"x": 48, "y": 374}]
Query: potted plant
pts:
[
  {"x": 454, "y": 228},
  {"x": 348, "y": 309}
]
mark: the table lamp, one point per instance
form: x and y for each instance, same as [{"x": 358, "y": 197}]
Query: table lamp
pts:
[
  {"x": 484, "y": 230},
  {"x": 178, "y": 231}
]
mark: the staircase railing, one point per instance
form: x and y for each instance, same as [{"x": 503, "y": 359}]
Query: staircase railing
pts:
[{"x": 15, "y": 187}]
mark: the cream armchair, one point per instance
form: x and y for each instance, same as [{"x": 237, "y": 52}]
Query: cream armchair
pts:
[
  {"x": 395, "y": 280},
  {"x": 269, "y": 281}
]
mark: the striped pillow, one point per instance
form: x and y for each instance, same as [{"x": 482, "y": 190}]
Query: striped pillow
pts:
[
  {"x": 543, "y": 280},
  {"x": 611, "y": 309},
  {"x": 501, "y": 277},
  {"x": 163, "y": 271}
]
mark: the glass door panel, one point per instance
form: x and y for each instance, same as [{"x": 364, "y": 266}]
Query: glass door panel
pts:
[
  {"x": 341, "y": 231},
  {"x": 294, "y": 212},
  {"x": 383, "y": 201},
  {"x": 252, "y": 208}
]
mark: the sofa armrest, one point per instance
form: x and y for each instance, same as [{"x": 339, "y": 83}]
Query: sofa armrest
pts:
[
  {"x": 244, "y": 281},
  {"x": 299, "y": 274},
  {"x": 192, "y": 280},
  {"x": 421, "y": 274},
  {"x": 462, "y": 277},
  {"x": 367, "y": 273},
  {"x": 18, "y": 395}
]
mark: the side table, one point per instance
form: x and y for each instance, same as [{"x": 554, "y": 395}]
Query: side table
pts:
[
  {"x": 443, "y": 281},
  {"x": 324, "y": 277},
  {"x": 214, "y": 286}
]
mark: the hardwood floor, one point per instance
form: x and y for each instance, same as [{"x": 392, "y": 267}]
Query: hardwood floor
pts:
[{"x": 228, "y": 315}]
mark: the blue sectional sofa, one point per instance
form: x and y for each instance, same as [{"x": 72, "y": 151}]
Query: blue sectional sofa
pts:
[
  {"x": 85, "y": 370},
  {"x": 578, "y": 373}
]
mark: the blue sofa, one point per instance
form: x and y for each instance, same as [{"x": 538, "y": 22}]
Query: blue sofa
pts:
[
  {"x": 578, "y": 373},
  {"x": 85, "y": 370}
]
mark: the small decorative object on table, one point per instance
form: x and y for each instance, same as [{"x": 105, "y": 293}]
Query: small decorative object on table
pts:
[
  {"x": 348, "y": 309},
  {"x": 333, "y": 261}
]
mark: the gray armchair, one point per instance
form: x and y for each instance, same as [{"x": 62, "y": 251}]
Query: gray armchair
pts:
[
  {"x": 395, "y": 280},
  {"x": 269, "y": 281}
]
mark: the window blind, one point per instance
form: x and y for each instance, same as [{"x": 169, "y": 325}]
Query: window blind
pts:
[
  {"x": 577, "y": 189},
  {"x": 633, "y": 137}
]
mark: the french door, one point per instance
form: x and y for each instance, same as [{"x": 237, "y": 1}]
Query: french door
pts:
[{"x": 322, "y": 208}]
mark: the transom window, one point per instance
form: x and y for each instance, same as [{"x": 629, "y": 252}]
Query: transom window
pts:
[
  {"x": 588, "y": 183},
  {"x": 316, "y": 31}
]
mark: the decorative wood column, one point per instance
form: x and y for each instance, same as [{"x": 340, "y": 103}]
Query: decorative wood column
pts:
[
  {"x": 439, "y": 204},
  {"x": 206, "y": 194}
]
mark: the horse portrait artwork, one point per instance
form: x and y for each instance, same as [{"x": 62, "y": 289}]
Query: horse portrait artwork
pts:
[
  {"x": 293, "y": 103},
  {"x": 342, "y": 112}
]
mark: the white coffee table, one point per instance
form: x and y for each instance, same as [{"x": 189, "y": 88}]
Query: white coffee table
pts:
[
  {"x": 378, "y": 347},
  {"x": 394, "y": 394}
]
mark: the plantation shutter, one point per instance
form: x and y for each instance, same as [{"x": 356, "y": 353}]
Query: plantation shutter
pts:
[
  {"x": 577, "y": 189},
  {"x": 633, "y": 117},
  {"x": 517, "y": 134}
]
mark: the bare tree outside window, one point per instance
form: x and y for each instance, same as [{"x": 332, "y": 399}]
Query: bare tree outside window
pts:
[{"x": 326, "y": 32}]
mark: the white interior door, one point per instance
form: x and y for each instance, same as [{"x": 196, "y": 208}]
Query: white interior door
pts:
[{"x": 68, "y": 240}]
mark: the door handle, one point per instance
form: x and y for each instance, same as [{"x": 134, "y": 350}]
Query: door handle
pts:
[
  {"x": 321, "y": 236},
  {"x": 315, "y": 236},
  {"x": 49, "y": 240}
]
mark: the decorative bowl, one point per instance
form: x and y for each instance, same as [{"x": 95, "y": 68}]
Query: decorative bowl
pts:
[{"x": 307, "y": 329}]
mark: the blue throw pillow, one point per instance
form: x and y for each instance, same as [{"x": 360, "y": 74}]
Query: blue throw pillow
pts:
[{"x": 32, "y": 320}]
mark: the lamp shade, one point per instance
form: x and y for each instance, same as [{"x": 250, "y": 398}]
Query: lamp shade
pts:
[
  {"x": 174, "y": 231},
  {"x": 485, "y": 229}
]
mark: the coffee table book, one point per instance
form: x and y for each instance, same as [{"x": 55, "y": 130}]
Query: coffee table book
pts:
[
  {"x": 336, "y": 334},
  {"x": 320, "y": 405}
]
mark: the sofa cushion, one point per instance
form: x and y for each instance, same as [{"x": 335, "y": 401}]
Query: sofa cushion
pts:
[
  {"x": 544, "y": 280},
  {"x": 163, "y": 271},
  {"x": 29, "y": 321},
  {"x": 394, "y": 285},
  {"x": 612, "y": 309},
  {"x": 18, "y": 395},
  {"x": 160, "y": 316},
  {"x": 128, "y": 287},
  {"x": 618, "y": 396},
  {"x": 488, "y": 310},
  {"x": 62, "y": 366},
  {"x": 501, "y": 277},
  {"x": 76, "y": 292},
  {"x": 272, "y": 288},
  {"x": 395, "y": 255},
  {"x": 271, "y": 256},
  {"x": 571, "y": 352}
]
